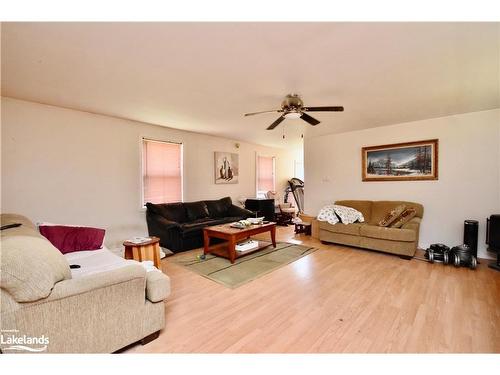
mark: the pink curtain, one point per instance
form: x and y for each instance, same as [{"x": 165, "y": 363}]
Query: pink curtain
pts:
[
  {"x": 162, "y": 172},
  {"x": 265, "y": 170}
]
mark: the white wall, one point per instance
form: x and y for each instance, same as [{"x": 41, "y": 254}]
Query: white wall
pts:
[
  {"x": 469, "y": 172},
  {"x": 68, "y": 166}
]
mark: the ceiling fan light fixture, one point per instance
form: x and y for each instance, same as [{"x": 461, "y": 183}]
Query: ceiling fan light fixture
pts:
[
  {"x": 292, "y": 107},
  {"x": 292, "y": 115}
]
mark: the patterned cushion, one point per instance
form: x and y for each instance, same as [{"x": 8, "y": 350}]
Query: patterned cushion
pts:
[
  {"x": 392, "y": 216},
  {"x": 327, "y": 214},
  {"x": 405, "y": 217},
  {"x": 347, "y": 215}
]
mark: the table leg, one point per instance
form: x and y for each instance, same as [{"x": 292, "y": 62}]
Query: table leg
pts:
[
  {"x": 232, "y": 249},
  {"x": 206, "y": 243},
  {"x": 128, "y": 252},
  {"x": 273, "y": 235},
  {"x": 156, "y": 256},
  {"x": 137, "y": 253}
]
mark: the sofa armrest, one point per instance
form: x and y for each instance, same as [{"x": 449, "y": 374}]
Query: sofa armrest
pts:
[
  {"x": 164, "y": 223},
  {"x": 239, "y": 211},
  {"x": 413, "y": 224},
  {"x": 85, "y": 284},
  {"x": 163, "y": 228},
  {"x": 157, "y": 286}
]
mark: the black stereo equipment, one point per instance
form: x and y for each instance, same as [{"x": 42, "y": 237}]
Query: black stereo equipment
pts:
[
  {"x": 261, "y": 207},
  {"x": 493, "y": 238},
  {"x": 470, "y": 235}
]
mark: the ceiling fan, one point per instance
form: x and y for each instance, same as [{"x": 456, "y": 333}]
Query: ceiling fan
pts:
[{"x": 293, "y": 107}]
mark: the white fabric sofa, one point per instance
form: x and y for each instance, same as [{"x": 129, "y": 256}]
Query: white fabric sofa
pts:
[{"x": 101, "y": 307}]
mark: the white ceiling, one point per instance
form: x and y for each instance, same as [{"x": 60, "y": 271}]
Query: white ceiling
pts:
[{"x": 203, "y": 76}]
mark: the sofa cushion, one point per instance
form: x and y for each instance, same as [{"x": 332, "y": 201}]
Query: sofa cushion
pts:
[
  {"x": 393, "y": 234},
  {"x": 197, "y": 226},
  {"x": 231, "y": 219},
  {"x": 218, "y": 208},
  {"x": 392, "y": 216},
  {"x": 30, "y": 267},
  {"x": 405, "y": 217},
  {"x": 95, "y": 261},
  {"x": 170, "y": 211},
  {"x": 381, "y": 208},
  {"x": 196, "y": 210},
  {"x": 365, "y": 207},
  {"x": 352, "y": 229}
]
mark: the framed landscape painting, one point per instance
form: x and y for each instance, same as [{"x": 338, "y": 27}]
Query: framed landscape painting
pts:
[
  {"x": 401, "y": 161},
  {"x": 226, "y": 168}
]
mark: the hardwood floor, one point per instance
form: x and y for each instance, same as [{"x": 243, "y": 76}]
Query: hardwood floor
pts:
[{"x": 336, "y": 300}]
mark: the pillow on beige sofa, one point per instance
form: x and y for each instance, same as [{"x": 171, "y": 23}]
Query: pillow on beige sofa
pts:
[
  {"x": 392, "y": 216},
  {"x": 405, "y": 217},
  {"x": 30, "y": 267}
]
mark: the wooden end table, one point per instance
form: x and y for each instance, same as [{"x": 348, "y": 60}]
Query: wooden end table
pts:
[
  {"x": 233, "y": 235},
  {"x": 149, "y": 250}
]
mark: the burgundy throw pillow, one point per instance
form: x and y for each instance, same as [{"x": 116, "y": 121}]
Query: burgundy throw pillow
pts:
[{"x": 68, "y": 239}]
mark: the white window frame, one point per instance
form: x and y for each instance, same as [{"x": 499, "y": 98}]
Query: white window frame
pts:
[
  {"x": 142, "y": 139},
  {"x": 298, "y": 164}
]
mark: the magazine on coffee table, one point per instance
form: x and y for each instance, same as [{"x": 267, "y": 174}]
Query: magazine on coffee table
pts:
[{"x": 247, "y": 245}]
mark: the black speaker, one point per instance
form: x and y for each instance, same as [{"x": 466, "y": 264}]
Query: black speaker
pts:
[
  {"x": 470, "y": 235},
  {"x": 493, "y": 233},
  {"x": 493, "y": 238}
]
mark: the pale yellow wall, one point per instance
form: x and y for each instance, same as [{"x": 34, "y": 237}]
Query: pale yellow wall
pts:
[
  {"x": 469, "y": 172},
  {"x": 68, "y": 166}
]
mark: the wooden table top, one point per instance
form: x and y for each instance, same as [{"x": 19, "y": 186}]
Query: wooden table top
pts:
[
  {"x": 152, "y": 241},
  {"x": 225, "y": 228}
]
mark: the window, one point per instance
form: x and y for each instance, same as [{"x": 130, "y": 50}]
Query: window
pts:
[
  {"x": 265, "y": 174},
  {"x": 161, "y": 171},
  {"x": 299, "y": 170}
]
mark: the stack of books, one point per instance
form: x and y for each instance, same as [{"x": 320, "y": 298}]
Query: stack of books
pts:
[{"x": 247, "y": 245}]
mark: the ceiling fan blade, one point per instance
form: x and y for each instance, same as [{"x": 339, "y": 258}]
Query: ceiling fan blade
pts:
[
  {"x": 256, "y": 113},
  {"x": 324, "y": 109},
  {"x": 276, "y": 123},
  {"x": 309, "y": 119}
]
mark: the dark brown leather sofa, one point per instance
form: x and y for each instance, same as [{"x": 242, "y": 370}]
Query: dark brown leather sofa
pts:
[{"x": 180, "y": 225}]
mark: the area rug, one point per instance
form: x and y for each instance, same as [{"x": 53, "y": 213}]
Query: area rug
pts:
[{"x": 244, "y": 269}]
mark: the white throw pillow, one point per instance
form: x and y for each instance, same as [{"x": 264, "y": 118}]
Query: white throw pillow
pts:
[
  {"x": 348, "y": 215},
  {"x": 332, "y": 212},
  {"x": 327, "y": 214}
]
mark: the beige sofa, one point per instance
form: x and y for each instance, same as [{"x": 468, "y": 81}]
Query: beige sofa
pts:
[
  {"x": 99, "y": 313},
  {"x": 401, "y": 241}
]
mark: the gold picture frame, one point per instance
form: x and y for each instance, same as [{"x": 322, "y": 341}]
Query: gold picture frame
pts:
[{"x": 409, "y": 161}]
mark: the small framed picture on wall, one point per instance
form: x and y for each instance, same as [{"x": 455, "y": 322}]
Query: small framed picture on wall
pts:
[
  {"x": 226, "y": 168},
  {"x": 401, "y": 161}
]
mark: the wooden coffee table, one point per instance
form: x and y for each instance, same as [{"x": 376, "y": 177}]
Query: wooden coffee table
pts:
[{"x": 233, "y": 235}]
